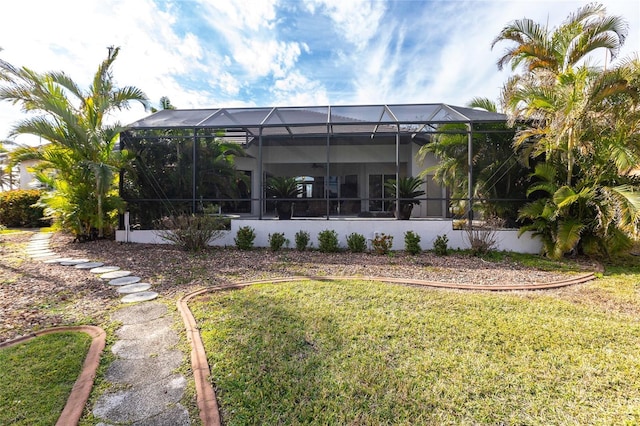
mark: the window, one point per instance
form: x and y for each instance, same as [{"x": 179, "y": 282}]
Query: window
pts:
[{"x": 380, "y": 197}]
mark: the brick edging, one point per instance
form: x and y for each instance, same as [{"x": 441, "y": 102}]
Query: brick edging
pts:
[
  {"x": 206, "y": 397},
  {"x": 84, "y": 383}
]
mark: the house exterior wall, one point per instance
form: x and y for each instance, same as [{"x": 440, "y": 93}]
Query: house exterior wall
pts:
[{"x": 361, "y": 159}]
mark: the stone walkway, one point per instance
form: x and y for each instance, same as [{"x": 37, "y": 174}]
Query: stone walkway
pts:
[{"x": 144, "y": 388}]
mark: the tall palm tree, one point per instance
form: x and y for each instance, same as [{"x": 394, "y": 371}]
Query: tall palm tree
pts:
[
  {"x": 536, "y": 47},
  {"x": 580, "y": 120},
  {"x": 81, "y": 146}
]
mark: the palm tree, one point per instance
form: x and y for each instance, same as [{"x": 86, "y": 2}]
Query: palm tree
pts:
[
  {"x": 581, "y": 121},
  {"x": 559, "y": 50},
  {"x": 80, "y": 156},
  {"x": 497, "y": 172}
]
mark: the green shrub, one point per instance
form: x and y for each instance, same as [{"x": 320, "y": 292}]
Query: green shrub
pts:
[
  {"x": 356, "y": 243},
  {"x": 302, "y": 240},
  {"x": 382, "y": 243},
  {"x": 245, "y": 237},
  {"x": 18, "y": 209},
  {"x": 440, "y": 245},
  {"x": 191, "y": 232},
  {"x": 412, "y": 242},
  {"x": 328, "y": 241},
  {"x": 277, "y": 240}
]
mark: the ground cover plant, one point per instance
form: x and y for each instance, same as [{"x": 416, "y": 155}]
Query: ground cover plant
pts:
[
  {"x": 37, "y": 377},
  {"x": 373, "y": 353}
]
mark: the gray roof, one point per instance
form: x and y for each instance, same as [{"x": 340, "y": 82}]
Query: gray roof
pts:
[{"x": 337, "y": 119}]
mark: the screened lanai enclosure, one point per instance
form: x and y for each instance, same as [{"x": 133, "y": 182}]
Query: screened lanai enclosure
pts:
[{"x": 339, "y": 157}]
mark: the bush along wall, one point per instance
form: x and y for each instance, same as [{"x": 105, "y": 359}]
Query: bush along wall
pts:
[{"x": 17, "y": 209}]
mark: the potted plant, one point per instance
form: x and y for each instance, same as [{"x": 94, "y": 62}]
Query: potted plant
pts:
[
  {"x": 283, "y": 189},
  {"x": 408, "y": 188}
]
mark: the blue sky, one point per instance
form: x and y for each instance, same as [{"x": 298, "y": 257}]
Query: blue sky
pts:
[{"x": 211, "y": 53}]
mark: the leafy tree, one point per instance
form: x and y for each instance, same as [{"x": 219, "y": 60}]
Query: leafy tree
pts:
[
  {"x": 582, "y": 121},
  {"x": 79, "y": 163}
]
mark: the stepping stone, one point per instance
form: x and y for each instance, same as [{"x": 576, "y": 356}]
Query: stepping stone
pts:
[
  {"x": 43, "y": 236},
  {"x": 124, "y": 280},
  {"x": 134, "y": 288},
  {"x": 142, "y": 296},
  {"x": 88, "y": 265},
  {"x": 32, "y": 247},
  {"x": 73, "y": 262},
  {"x": 38, "y": 251},
  {"x": 104, "y": 269},
  {"x": 42, "y": 254},
  {"x": 58, "y": 260},
  {"x": 115, "y": 274}
]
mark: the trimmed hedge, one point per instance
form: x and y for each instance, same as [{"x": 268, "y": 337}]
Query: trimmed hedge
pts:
[{"x": 17, "y": 209}]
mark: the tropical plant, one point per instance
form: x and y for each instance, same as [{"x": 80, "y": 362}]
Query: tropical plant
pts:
[
  {"x": 407, "y": 189},
  {"x": 537, "y": 47},
  {"x": 79, "y": 163},
  {"x": 283, "y": 189},
  {"x": 499, "y": 177},
  {"x": 582, "y": 121}
]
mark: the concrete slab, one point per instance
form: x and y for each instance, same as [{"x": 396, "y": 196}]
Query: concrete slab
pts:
[
  {"x": 124, "y": 280},
  {"x": 176, "y": 416},
  {"x": 104, "y": 269},
  {"x": 157, "y": 329},
  {"x": 115, "y": 274},
  {"x": 137, "y": 404},
  {"x": 139, "y": 314},
  {"x": 134, "y": 288},
  {"x": 142, "y": 296},
  {"x": 131, "y": 349},
  {"x": 144, "y": 371}
]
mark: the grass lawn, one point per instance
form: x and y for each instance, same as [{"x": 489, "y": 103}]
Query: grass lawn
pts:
[
  {"x": 36, "y": 377},
  {"x": 368, "y": 353}
]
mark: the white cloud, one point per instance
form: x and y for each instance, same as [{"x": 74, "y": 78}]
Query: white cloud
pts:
[
  {"x": 296, "y": 89},
  {"x": 358, "y": 21}
]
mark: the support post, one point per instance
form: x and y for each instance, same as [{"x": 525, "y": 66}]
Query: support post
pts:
[
  {"x": 194, "y": 171},
  {"x": 260, "y": 176},
  {"x": 470, "y": 174},
  {"x": 328, "y": 174},
  {"x": 397, "y": 194}
]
